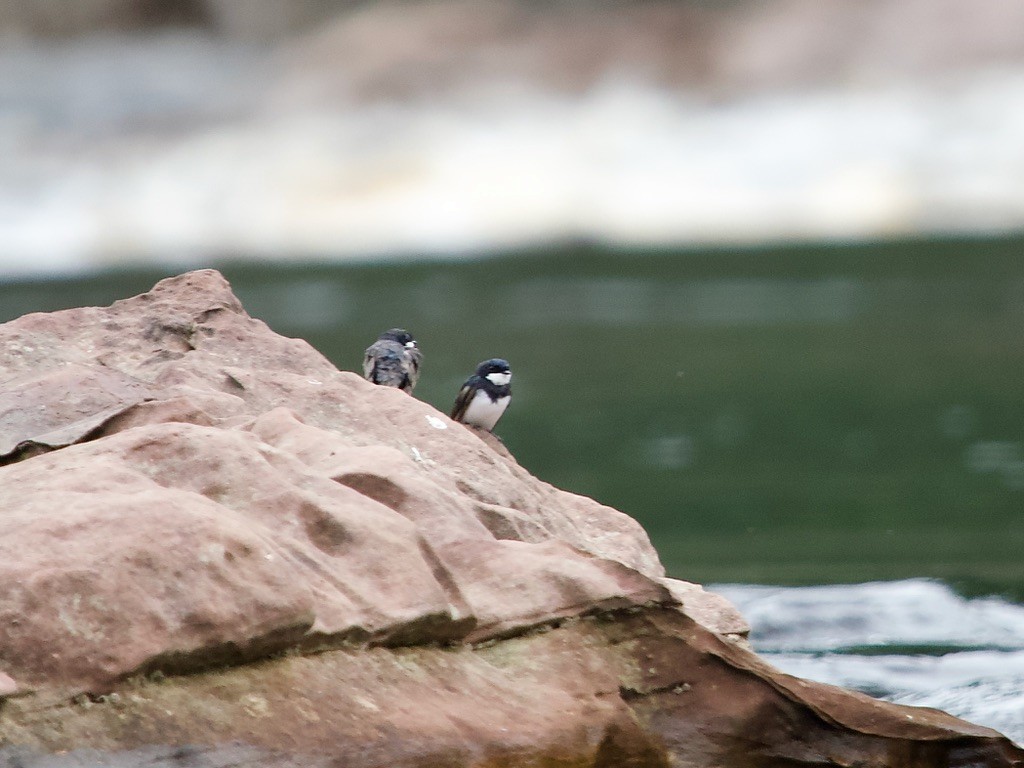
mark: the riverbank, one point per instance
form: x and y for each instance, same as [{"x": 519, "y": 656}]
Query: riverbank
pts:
[{"x": 460, "y": 128}]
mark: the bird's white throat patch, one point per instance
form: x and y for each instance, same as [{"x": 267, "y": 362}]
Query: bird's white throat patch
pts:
[{"x": 499, "y": 379}]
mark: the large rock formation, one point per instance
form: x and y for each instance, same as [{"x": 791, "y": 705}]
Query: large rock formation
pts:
[{"x": 216, "y": 548}]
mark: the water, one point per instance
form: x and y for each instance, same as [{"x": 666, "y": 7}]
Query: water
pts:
[
  {"x": 816, "y": 415},
  {"x": 172, "y": 145},
  {"x": 913, "y": 642}
]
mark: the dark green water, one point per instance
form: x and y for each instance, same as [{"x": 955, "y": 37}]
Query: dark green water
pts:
[{"x": 794, "y": 415}]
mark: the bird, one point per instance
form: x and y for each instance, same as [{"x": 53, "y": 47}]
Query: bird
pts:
[
  {"x": 393, "y": 360},
  {"x": 485, "y": 395}
]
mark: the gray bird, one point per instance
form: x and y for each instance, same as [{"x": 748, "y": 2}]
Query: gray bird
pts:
[
  {"x": 393, "y": 360},
  {"x": 485, "y": 395}
]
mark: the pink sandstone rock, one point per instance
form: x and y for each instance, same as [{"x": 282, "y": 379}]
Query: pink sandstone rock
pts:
[
  {"x": 199, "y": 520},
  {"x": 209, "y": 536}
]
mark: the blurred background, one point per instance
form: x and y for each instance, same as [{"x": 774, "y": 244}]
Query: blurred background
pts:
[{"x": 757, "y": 266}]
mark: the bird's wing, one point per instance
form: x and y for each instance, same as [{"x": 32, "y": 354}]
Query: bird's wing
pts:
[
  {"x": 415, "y": 357},
  {"x": 462, "y": 401},
  {"x": 368, "y": 363},
  {"x": 385, "y": 364}
]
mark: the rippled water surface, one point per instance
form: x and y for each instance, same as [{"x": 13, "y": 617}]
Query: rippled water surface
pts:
[{"x": 912, "y": 642}]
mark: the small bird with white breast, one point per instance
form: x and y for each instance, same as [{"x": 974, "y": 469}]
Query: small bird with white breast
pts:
[
  {"x": 393, "y": 360},
  {"x": 485, "y": 395}
]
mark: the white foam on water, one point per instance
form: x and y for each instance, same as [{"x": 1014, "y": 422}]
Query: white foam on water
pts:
[
  {"x": 804, "y": 631},
  {"x": 626, "y": 162},
  {"x": 984, "y": 687},
  {"x": 914, "y": 612}
]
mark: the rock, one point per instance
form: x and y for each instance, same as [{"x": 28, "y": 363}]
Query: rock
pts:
[
  {"x": 8, "y": 687},
  {"x": 707, "y": 609},
  {"x": 216, "y": 548},
  {"x": 67, "y": 18},
  {"x": 29, "y": 424}
]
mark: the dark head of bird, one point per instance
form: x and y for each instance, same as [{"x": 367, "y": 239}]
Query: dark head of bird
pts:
[
  {"x": 400, "y": 335},
  {"x": 492, "y": 366}
]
